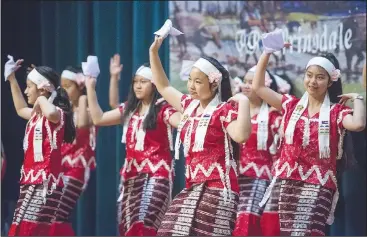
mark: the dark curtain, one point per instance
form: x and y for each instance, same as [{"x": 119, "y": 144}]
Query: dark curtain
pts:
[{"x": 64, "y": 33}]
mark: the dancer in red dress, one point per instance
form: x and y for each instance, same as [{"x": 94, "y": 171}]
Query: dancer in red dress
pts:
[
  {"x": 256, "y": 160},
  {"x": 303, "y": 193},
  {"x": 147, "y": 174},
  {"x": 50, "y": 124},
  {"x": 208, "y": 204},
  {"x": 78, "y": 158}
]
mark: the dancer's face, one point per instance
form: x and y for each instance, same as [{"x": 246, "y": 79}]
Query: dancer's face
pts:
[
  {"x": 247, "y": 87},
  {"x": 71, "y": 88},
  {"x": 198, "y": 85},
  {"x": 143, "y": 88},
  {"x": 32, "y": 92},
  {"x": 316, "y": 81}
]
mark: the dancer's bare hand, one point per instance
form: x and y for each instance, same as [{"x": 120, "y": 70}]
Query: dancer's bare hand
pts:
[
  {"x": 115, "y": 66},
  {"x": 158, "y": 40}
]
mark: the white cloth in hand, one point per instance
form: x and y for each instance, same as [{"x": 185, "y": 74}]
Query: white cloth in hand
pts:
[
  {"x": 273, "y": 41},
  {"x": 9, "y": 67},
  {"x": 167, "y": 29},
  {"x": 91, "y": 67}
]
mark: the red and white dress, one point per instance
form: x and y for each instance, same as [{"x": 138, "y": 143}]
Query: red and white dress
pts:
[
  {"x": 78, "y": 160},
  {"x": 303, "y": 193},
  {"x": 208, "y": 204},
  {"x": 147, "y": 174},
  {"x": 41, "y": 177},
  {"x": 254, "y": 177}
]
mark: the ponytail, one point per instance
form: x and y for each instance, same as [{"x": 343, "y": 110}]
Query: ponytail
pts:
[{"x": 62, "y": 101}]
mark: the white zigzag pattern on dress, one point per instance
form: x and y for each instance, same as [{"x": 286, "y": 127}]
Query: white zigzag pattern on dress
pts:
[
  {"x": 80, "y": 158},
  {"x": 207, "y": 172},
  {"x": 259, "y": 172},
  {"x": 304, "y": 176},
  {"x": 33, "y": 178},
  {"x": 152, "y": 167}
]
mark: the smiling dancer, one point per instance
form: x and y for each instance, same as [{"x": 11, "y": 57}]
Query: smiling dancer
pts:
[
  {"x": 208, "y": 204},
  {"x": 304, "y": 192}
]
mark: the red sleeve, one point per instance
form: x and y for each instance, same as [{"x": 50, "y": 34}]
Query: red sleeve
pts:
[
  {"x": 185, "y": 101},
  {"x": 275, "y": 119},
  {"x": 166, "y": 112},
  {"x": 61, "y": 122},
  {"x": 287, "y": 101},
  {"x": 343, "y": 111},
  {"x": 230, "y": 112}
]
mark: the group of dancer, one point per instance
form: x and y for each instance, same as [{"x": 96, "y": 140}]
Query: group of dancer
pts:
[{"x": 257, "y": 162}]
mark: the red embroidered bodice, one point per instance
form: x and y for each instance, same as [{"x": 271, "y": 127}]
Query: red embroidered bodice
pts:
[
  {"x": 303, "y": 163},
  {"x": 49, "y": 170},
  {"x": 209, "y": 164},
  {"x": 81, "y": 152},
  {"x": 258, "y": 163},
  {"x": 156, "y": 158}
]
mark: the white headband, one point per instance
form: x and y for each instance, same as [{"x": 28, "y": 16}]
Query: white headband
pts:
[
  {"x": 42, "y": 83},
  {"x": 68, "y": 75},
  {"x": 145, "y": 72},
  {"x": 209, "y": 69},
  {"x": 253, "y": 70},
  {"x": 268, "y": 79},
  {"x": 327, "y": 65}
]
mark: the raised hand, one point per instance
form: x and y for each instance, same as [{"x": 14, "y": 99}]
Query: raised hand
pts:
[
  {"x": 90, "y": 82},
  {"x": 11, "y": 67},
  {"x": 156, "y": 44},
  {"x": 115, "y": 66},
  {"x": 345, "y": 97}
]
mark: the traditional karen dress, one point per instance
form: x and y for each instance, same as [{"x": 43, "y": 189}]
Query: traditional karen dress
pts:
[
  {"x": 208, "y": 204},
  {"x": 78, "y": 160},
  {"x": 256, "y": 163},
  {"x": 41, "y": 177},
  {"x": 303, "y": 194},
  {"x": 147, "y": 174}
]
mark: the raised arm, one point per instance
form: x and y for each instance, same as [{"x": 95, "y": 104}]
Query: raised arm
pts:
[
  {"x": 99, "y": 117},
  {"x": 115, "y": 71},
  {"x": 258, "y": 84},
  {"x": 48, "y": 109},
  {"x": 84, "y": 120},
  {"x": 170, "y": 94},
  {"x": 240, "y": 129},
  {"x": 357, "y": 121},
  {"x": 20, "y": 104}
]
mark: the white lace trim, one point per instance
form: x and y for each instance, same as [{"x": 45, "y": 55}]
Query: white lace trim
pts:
[
  {"x": 258, "y": 171},
  {"x": 72, "y": 162},
  {"x": 53, "y": 138},
  {"x": 281, "y": 128},
  {"x": 169, "y": 127},
  {"x": 341, "y": 132}
]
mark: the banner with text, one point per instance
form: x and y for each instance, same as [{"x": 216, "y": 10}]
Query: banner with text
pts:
[{"x": 231, "y": 32}]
